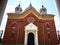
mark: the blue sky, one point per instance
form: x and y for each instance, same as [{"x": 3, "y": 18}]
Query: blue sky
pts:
[{"x": 49, "y": 4}]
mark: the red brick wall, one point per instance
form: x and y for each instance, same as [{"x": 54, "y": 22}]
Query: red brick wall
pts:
[
  {"x": 8, "y": 32},
  {"x": 19, "y": 31}
]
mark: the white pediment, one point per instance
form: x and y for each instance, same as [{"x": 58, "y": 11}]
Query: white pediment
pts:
[{"x": 31, "y": 26}]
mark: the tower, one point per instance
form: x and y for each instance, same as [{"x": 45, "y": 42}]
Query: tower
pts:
[
  {"x": 43, "y": 10},
  {"x": 18, "y": 9}
]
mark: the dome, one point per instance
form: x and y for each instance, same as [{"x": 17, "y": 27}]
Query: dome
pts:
[
  {"x": 43, "y": 7},
  {"x": 18, "y": 9},
  {"x": 43, "y": 10}
]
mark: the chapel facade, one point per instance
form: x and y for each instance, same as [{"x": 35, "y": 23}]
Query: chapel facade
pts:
[{"x": 30, "y": 27}]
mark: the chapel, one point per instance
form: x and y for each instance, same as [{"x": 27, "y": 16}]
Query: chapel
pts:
[{"x": 30, "y": 27}]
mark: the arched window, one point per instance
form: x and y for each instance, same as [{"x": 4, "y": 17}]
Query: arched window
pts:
[
  {"x": 14, "y": 25},
  {"x": 49, "y": 38},
  {"x": 47, "y": 26},
  {"x": 12, "y": 34},
  {"x": 49, "y": 35}
]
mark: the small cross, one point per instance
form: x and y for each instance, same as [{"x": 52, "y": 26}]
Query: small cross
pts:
[
  {"x": 19, "y": 2},
  {"x": 42, "y": 2},
  {"x": 30, "y": 1}
]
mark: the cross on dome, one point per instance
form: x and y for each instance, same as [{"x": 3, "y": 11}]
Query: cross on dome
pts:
[
  {"x": 43, "y": 10},
  {"x": 18, "y": 9}
]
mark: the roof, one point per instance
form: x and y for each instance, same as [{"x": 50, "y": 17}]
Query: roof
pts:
[{"x": 29, "y": 10}]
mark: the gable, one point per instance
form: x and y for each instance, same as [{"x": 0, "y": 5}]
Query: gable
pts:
[
  {"x": 31, "y": 26},
  {"x": 31, "y": 15},
  {"x": 31, "y": 18},
  {"x": 30, "y": 10}
]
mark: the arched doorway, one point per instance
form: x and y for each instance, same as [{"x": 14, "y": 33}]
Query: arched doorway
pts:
[
  {"x": 30, "y": 39},
  {"x": 31, "y": 34}
]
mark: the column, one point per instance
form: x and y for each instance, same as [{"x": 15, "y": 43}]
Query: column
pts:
[
  {"x": 36, "y": 38},
  {"x": 25, "y": 42}
]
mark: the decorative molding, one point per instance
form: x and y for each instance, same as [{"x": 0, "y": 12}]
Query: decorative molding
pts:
[
  {"x": 35, "y": 32},
  {"x": 31, "y": 20},
  {"x": 33, "y": 11}
]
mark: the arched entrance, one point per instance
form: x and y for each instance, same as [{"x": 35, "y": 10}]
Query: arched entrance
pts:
[
  {"x": 31, "y": 34},
  {"x": 30, "y": 40}
]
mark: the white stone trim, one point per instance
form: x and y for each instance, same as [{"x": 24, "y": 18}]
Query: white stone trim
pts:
[{"x": 35, "y": 32}]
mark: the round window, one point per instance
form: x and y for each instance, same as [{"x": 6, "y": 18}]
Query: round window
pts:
[{"x": 31, "y": 20}]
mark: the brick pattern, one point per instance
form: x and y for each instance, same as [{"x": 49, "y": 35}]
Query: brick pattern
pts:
[{"x": 18, "y": 37}]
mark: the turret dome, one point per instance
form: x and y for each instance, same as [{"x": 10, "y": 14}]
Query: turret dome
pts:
[
  {"x": 18, "y": 9},
  {"x": 43, "y": 10}
]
